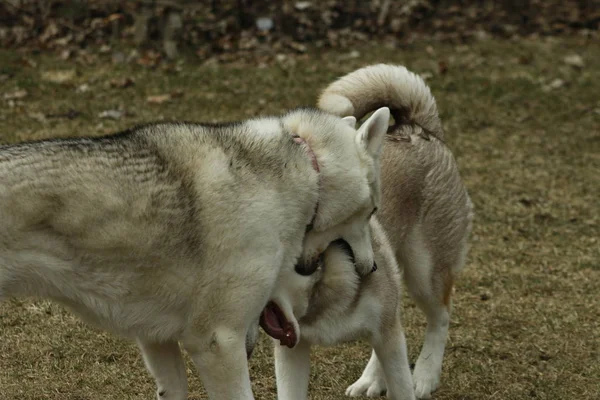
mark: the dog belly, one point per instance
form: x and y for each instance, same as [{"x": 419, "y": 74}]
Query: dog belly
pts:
[
  {"x": 148, "y": 321},
  {"x": 116, "y": 297},
  {"x": 331, "y": 331}
]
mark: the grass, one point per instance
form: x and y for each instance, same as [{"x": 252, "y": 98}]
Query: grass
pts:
[{"x": 527, "y": 310}]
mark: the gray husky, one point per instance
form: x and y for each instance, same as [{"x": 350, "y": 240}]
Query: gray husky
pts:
[
  {"x": 177, "y": 233},
  {"x": 425, "y": 217}
]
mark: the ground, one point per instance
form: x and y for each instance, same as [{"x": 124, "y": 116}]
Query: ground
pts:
[{"x": 523, "y": 119}]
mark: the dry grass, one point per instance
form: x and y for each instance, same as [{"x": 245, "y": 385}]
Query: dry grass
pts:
[{"x": 531, "y": 160}]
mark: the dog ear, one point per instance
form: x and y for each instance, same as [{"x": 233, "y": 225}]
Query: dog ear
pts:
[
  {"x": 371, "y": 134},
  {"x": 350, "y": 121}
]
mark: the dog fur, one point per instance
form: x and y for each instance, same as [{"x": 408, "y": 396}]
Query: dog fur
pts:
[
  {"x": 426, "y": 214},
  {"x": 177, "y": 233}
]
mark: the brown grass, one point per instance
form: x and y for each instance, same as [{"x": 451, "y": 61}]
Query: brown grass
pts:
[{"x": 527, "y": 307}]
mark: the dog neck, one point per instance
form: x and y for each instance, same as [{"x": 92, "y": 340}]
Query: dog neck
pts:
[{"x": 315, "y": 164}]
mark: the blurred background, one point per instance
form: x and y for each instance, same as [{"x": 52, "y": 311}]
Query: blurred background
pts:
[
  {"x": 517, "y": 84},
  {"x": 226, "y": 28}
]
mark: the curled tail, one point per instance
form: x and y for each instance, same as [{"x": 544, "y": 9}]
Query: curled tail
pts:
[{"x": 383, "y": 85}]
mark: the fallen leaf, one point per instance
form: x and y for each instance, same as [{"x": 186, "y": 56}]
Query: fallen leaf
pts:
[
  {"x": 114, "y": 17},
  {"x": 299, "y": 47},
  {"x": 555, "y": 84},
  {"x": 83, "y": 88},
  {"x": 442, "y": 67},
  {"x": 150, "y": 59},
  {"x": 122, "y": 83},
  {"x": 65, "y": 54},
  {"x": 264, "y": 24},
  {"x": 88, "y": 58},
  {"x": 524, "y": 60},
  {"x": 70, "y": 114},
  {"x": 111, "y": 114},
  {"x": 28, "y": 62},
  {"x": 118, "y": 57},
  {"x": 59, "y": 76},
  {"x": 302, "y": 5},
  {"x": 63, "y": 41},
  {"x": 351, "y": 55},
  {"x": 39, "y": 117},
  {"x": 574, "y": 60},
  {"x": 50, "y": 31},
  {"x": 158, "y": 99},
  {"x": 176, "y": 93},
  {"x": 16, "y": 95}
]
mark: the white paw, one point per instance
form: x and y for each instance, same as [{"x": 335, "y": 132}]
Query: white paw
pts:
[
  {"x": 426, "y": 378},
  {"x": 370, "y": 386}
]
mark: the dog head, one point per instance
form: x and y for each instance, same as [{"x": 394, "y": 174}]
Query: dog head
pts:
[
  {"x": 288, "y": 303},
  {"x": 349, "y": 191},
  {"x": 330, "y": 288}
]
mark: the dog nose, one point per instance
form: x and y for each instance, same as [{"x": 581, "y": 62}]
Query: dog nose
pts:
[
  {"x": 374, "y": 267},
  {"x": 308, "y": 269}
]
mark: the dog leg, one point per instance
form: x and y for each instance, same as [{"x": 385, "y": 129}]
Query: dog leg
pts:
[
  {"x": 165, "y": 363},
  {"x": 430, "y": 285},
  {"x": 392, "y": 354},
  {"x": 292, "y": 370},
  {"x": 222, "y": 364},
  {"x": 428, "y": 368},
  {"x": 372, "y": 381}
]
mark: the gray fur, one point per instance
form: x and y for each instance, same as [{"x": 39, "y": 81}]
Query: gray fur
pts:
[
  {"x": 426, "y": 215},
  {"x": 178, "y": 232}
]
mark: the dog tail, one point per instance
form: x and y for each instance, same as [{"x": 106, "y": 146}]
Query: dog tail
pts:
[{"x": 382, "y": 85}]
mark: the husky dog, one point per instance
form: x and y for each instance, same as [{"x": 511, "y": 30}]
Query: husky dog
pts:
[
  {"x": 177, "y": 233},
  {"x": 334, "y": 305},
  {"x": 426, "y": 214}
]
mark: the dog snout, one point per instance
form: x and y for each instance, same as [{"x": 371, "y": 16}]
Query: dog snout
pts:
[
  {"x": 307, "y": 268},
  {"x": 365, "y": 265},
  {"x": 360, "y": 243}
]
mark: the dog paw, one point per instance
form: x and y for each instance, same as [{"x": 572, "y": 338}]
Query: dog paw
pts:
[
  {"x": 367, "y": 386},
  {"x": 426, "y": 380}
]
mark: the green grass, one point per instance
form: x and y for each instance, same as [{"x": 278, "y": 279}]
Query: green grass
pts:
[{"x": 530, "y": 158}]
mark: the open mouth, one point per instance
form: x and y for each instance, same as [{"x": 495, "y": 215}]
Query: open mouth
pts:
[
  {"x": 307, "y": 270},
  {"x": 276, "y": 325}
]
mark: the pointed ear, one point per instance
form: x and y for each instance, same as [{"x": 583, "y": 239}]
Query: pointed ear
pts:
[
  {"x": 350, "y": 121},
  {"x": 371, "y": 134}
]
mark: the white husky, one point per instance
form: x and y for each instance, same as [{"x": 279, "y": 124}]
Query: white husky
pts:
[
  {"x": 178, "y": 232},
  {"x": 426, "y": 213}
]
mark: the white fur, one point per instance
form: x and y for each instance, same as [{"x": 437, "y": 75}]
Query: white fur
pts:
[
  {"x": 372, "y": 381},
  {"x": 393, "y": 85},
  {"x": 333, "y": 306},
  {"x": 426, "y": 210},
  {"x": 427, "y": 215},
  {"x": 179, "y": 232}
]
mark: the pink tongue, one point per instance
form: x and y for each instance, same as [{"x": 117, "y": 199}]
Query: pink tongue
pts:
[{"x": 274, "y": 323}]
